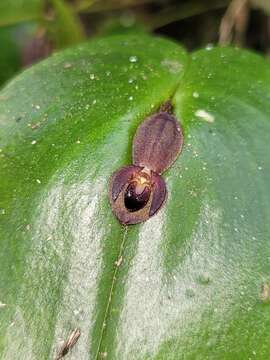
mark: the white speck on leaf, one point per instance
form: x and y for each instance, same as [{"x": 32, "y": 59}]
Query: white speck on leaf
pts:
[
  {"x": 67, "y": 65},
  {"x": 133, "y": 59},
  {"x": 173, "y": 66},
  {"x": 119, "y": 261},
  {"x": 204, "y": 115}
]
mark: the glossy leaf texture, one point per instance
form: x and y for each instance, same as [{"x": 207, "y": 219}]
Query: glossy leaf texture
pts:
[
  {"x": 186, "y": 284},
  {"x": 66, "y": 125}
]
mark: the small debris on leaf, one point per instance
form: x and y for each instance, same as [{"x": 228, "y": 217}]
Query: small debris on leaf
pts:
[
  {"x": 67, "y": 65},
  {"x": 68, "y": 344},
  {"x": 265, "y": 292},
  {"x": 119, "y": 261},
  {"x": 103, "y": 355}
]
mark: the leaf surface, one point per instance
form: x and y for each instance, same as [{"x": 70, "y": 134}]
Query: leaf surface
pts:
[{"x": 188, "y": 282}]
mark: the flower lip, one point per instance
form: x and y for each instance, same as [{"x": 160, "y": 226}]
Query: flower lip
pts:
[{"x": 137, "y": 195}]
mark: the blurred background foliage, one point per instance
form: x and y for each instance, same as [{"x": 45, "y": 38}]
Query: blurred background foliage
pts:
[{"x": 30, "y": 30}]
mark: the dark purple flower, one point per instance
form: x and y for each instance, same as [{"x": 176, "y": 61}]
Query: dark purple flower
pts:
[{"x": 138, "y": 191}]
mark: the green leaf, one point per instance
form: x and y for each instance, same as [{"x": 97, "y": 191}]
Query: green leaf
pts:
[
  {"x": 190, "y": 280},
  {"x": 9, "y": 54},
  {"x": 14, "y": 11},
  {"x": 74, "y": 115}
]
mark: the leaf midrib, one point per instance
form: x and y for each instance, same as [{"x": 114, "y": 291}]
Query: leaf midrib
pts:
[
  {"x": 121, "y": 249},
  {"x": 109, "y": 301}
]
